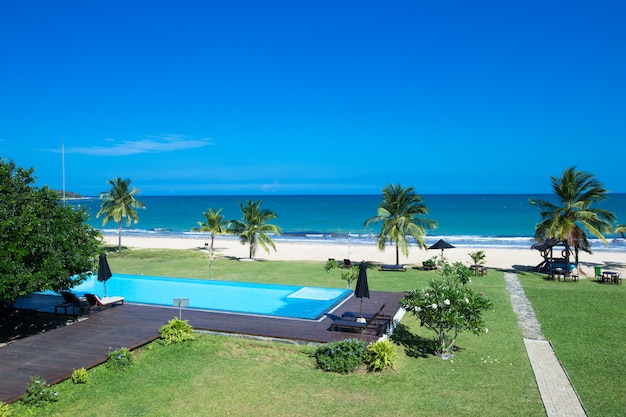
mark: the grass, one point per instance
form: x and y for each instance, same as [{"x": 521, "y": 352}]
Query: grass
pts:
[
  {"x": 586, "y": 324},
  {"x": 219, "y": 376}
]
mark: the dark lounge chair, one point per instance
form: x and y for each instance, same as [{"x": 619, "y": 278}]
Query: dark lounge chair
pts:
[
  {"x": 387, "y": 267},
  {"x": 369, "y": 317},
  {"x": 97, "y": 302},
  {"x": 71, "y": 300},
  {"x": 356, "y": 325}
]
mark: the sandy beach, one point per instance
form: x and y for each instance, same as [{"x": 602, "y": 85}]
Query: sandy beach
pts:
[{"x": 501, "y": 258}]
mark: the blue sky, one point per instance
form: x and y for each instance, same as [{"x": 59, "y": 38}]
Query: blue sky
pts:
[{"x": 314, "y": 97}]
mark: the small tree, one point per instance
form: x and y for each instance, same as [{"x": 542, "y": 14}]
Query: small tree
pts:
[
  {"x": 448, "y": 307},
  {"x": 253, "y": 228},
  {"x": 119, "y": 203},
  {"x": 478, "y": 257},
  {"x": 400, "y": 213},
  {"x": 347, "y": 274},
  {"x": 215, "y": 223}
]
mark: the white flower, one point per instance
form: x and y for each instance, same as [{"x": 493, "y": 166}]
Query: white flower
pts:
[
  {"x": 434, "y": 306},
  {"x": 466, "y": 300},
  {"x": 418, "y": 309},
  {"x": 446, "y": 302},
  {"x": 486, "y": 330}
]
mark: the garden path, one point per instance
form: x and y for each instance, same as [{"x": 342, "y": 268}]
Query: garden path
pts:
[{"x": 557, "y": 393}]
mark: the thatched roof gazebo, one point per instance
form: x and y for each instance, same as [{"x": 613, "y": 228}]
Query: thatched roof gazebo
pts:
[{"x": 546, "y": 247}]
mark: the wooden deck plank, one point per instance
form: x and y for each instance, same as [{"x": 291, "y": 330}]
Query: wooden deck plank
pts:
[{"x": 54, "y": 354}]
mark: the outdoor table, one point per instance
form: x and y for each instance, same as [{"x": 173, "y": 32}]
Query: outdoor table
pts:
[{"x": 610, "y": 276}]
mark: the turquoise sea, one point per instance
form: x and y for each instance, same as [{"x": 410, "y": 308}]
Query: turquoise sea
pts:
[{"x": 506, "y": 220}]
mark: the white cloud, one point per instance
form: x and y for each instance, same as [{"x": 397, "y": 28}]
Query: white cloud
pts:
[{"x": 150, "y": 144}]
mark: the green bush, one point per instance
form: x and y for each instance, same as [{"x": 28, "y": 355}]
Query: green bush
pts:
[
  {"x": 120, "y": 359},
  {"x": 342, "y": 356},
  {"x": 176, "y": 331},
  {"x": 430, "y": 263},
  {"x": 380, "y": 355},
  {"x": 448, "y": 307},
  {"x": 38, "y": 393},
  {"x": 79, "y": 376},
  {"x": 4, "y": 410}
]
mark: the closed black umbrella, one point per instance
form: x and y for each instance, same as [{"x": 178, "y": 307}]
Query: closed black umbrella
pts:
[
  {"x": 104, "y": 271},
  {"x": 362, "y": 289}
]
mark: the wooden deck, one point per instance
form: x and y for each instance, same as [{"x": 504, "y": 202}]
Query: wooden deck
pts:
[{"x": 53, "y": 355}]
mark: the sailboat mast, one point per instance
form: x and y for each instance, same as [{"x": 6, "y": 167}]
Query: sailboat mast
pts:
[{"x": 63, "y": 164}]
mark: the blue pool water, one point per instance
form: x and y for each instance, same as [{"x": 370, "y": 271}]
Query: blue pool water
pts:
[{"x": 265, "y": 299}]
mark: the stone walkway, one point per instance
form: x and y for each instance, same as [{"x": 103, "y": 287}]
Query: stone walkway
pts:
[{"x": 557, "y": 393}]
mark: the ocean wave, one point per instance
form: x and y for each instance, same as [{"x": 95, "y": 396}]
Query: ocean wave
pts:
[{"x": 516, "y": 242}]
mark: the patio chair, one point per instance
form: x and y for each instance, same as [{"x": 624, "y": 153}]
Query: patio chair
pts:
[
  {"x": 97, "y": 302},
  {"x": 598, "y": 271},
  {"x": 71, "y": 300}
]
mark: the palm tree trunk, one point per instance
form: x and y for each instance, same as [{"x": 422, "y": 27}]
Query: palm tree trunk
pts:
[
  {"x": 212, "y": 240},
  {"x": 119, "y": 237},
  {"x": 397, "y": 255}
]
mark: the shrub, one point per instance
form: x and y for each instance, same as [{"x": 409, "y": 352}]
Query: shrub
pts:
[
  {"x": 38, "y": 393},
  {"x": 430, "y": 263},
  {"x": 176, "y": 331},
  {"x": 120, "y": 359},
  {"x": 380, "y": 355},
  {"x": 4, "y": 410},
  {"x": 342, "y": 356},
  {"x": 448, "y": 307},
  {"x": 79, "y": 376}
]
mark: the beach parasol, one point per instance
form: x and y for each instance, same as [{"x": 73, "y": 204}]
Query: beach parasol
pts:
[
  {"x": 362, "y": 289},
  {"x": 441, "y": 244},
  {"x": 104, "y": 271}
]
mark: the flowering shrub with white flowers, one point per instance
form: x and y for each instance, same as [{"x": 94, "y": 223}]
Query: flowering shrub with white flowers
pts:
[{"x": 448, "y": 307}]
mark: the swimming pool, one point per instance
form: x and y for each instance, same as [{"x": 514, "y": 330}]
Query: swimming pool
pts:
[{"x": 236, "y": 297}]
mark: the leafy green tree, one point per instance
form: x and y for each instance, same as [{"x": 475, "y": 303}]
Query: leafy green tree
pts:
[
  {"x": 400, "y": 213},
  {"x": 253, "y": 228},
  {"x": 119, "y": 203},
  {"x": 347, "y": 274},
  {"x": 448, "y": 307},
  {"x": 621, "y": 229},
  {"x": 573, "y": 217},
  {"x": 45, "y": 244},
  {"x": 215, "y": 223}
]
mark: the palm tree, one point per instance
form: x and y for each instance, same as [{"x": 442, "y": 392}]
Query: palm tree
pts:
[
  {"x": 573, "y": 218},
  {"x": 478, "y": 257},
  {"x": 119, "y": 203},
  {"x": 399, "y": 213},
  {"x": 253, "y": 227},
  {"x": 215, "y": 223},
  {"x": 621, "y": 229}
]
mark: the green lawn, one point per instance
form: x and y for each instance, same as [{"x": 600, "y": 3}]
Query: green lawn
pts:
[
  {"x": 220, "y": 376},
  {"x": 586, "y": 323}
]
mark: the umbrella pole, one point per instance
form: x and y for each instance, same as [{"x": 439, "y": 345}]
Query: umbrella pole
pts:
[{"x": 360, "y": 319}]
